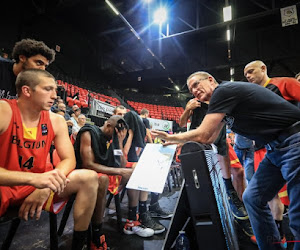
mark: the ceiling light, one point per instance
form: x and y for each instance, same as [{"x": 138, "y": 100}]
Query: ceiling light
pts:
[
  {"x": 112, "y": 7},
  {"x": 160, "y": 15},
  {"x": 227, "y": 15},
  {"x": 228, "y": 35}
]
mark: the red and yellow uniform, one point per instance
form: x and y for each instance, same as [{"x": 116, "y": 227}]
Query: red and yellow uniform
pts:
[
  {"x": 289, "y": 89},
  {"x": 286, "y": 87},
  {"x": 24, "y": 149},
  {"x": 234, "y": 160}
]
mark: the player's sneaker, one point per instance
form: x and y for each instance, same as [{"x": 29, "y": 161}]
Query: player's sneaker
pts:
[
  {"x": 103, "y": 244},
  {"x": 157, "y": 212},
  {"x": 253, "y": 239},
  {"x": 237, "y": 206},
  {"x": 284, "y": 242},
  {"x": 148, "y": 222},
  {"x": 135, "y": 227}
]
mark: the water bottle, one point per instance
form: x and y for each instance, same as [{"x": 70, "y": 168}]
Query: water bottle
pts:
[{"x": 182, "y": 241}]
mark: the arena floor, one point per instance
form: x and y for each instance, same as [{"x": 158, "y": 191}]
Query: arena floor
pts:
[{"x": 34, "y": 235}]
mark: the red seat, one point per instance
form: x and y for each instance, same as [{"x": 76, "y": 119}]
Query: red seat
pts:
[
  {"x": 70, "y": 101},
  {"x": 84, "y": 104},
  {"x": 77, "y": 102}
]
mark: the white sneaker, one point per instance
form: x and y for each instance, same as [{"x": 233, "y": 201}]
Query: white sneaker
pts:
[{"x": 135, "y": 227}]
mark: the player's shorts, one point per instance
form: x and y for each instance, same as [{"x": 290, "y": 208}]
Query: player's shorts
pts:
[
  {"x": 130, "y": 164},
  {"x": 283, "y": 195},
  {"x": 14, "y": 196},
  {"x": 258, "y": 157},
  {"x": 234, "y": 160},
  {"x": 220, "y": 142},
  {"x": 115, "y": 180}
]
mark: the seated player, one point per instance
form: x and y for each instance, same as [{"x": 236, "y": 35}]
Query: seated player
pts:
[
  {"x": 94, "y": 151},
  {"x": 27, "y": 129}
]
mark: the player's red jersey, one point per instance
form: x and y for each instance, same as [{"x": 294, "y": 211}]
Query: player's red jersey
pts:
[
  {"x": 286, "y": 87},
  {"x": 20, "y": 154}
]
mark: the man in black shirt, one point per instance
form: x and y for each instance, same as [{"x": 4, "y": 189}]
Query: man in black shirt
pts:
[
  {"x": 263, "y": 116},
  {"x": 144, "y": 115},
  {"x": 196, "y": 111},
  {"x": 27, "y": 54}
]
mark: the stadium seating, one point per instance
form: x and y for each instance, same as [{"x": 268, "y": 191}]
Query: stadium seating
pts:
[
  {"x": 79, "y": 96},
  {"x": 158, "y": 111}
]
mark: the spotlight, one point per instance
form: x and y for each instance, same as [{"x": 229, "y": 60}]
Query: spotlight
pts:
[
  {"x": 160, "y": 15},
  {"x": 112, "y": 7},
  {"x": 228, "y": 36},
  {"x": 227, "y": 14}
]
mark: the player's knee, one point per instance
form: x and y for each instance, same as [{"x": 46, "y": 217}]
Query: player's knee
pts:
[
  {"x": 88, "y": 178},
  {"x": 276, "y": 205},
  {"x": 103, "y": 181}
]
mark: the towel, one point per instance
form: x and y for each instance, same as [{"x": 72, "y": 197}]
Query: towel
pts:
[
  {"x": 198, "y": 115},
  {"x": 138, "y": 128},
  {"x": 102, "y": 147}
]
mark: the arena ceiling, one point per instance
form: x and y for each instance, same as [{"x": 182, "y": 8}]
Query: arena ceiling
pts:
[{"x": 96, "y": 45}]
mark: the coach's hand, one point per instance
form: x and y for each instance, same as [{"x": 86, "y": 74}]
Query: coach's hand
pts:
[
  {"x": 33, "y": 204},
  {"x": 192, "y": 104},
  {"x": 167, "y": 139},
  {"x": 160, "y": 134},
  {"x": 55, "y": 180}
]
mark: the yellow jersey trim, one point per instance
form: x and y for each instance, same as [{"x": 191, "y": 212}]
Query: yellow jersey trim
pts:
[
  {"x": 267, "y": 82},
  {"x": 29, "y": 133},
  {"x": 49, "y": 202},
  {"x": 283, "y": 194},
  {"x": 234, "y": 161}
]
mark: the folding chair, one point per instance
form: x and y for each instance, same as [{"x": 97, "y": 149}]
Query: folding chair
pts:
[{"x": 12, "y": 217}]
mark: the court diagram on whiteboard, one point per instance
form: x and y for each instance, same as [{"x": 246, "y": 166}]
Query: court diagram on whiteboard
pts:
[{"x": 152, "y": 168}]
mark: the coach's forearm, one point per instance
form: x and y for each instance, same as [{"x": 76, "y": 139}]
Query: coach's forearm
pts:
[
  {"x": 193, "y": 135},
  {"x": 184, "y": 117}
]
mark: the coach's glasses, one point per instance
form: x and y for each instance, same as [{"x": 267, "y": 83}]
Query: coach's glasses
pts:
[{"x": 195, "y": 84}]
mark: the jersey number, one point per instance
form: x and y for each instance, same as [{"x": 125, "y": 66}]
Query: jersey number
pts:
[{"x": 27, "y": 164}]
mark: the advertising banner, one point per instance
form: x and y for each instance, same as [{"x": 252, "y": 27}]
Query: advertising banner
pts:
[
  {"x": 160, "y": 124},
  {"x": 289, "y": 16},
  {"x": 99, "y": 108}
]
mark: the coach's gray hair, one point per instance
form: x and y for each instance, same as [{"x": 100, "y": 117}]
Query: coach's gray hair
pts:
[{"x": 201, "y": 74}]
